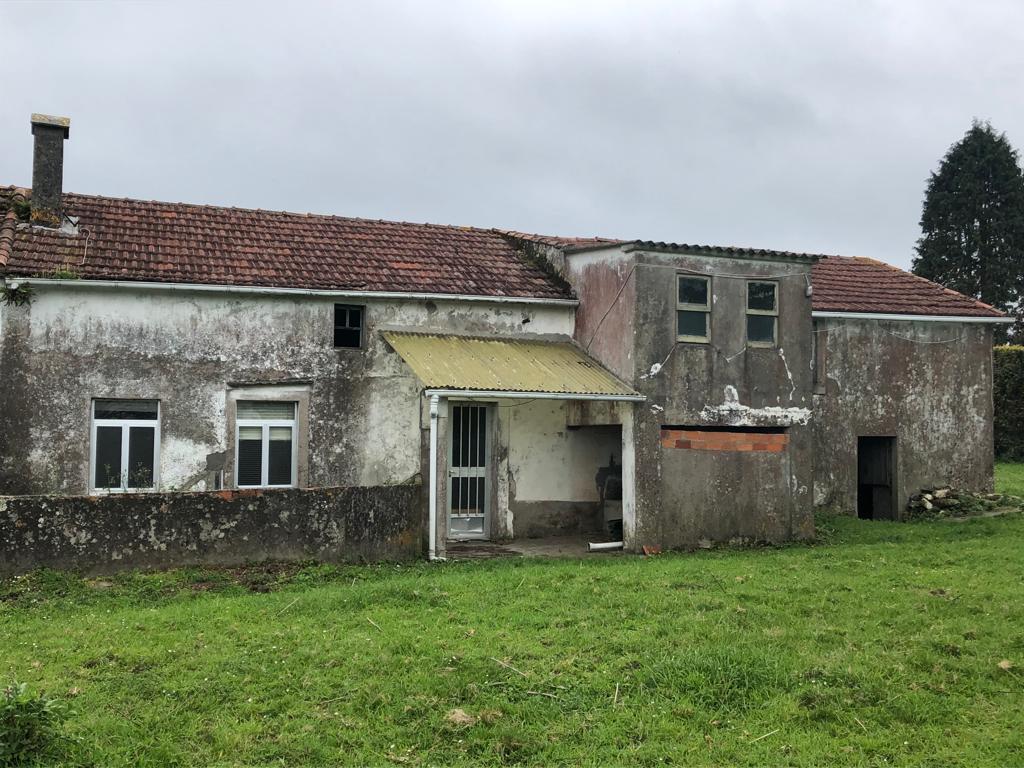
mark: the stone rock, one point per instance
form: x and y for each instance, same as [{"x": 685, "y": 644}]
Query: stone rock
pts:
[
  {"x": 927, "y": 497},
  {"x": 926, "y": 504},
  {"x": 941, "y": 493}
]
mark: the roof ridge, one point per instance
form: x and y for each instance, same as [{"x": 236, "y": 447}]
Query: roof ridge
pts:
[{"x": 328, "y": 216}]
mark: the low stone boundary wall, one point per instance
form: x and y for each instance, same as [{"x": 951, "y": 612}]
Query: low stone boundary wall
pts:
[{"x": 102, "y": 534}]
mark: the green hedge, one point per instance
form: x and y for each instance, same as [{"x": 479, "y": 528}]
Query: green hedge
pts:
[{"x": 1008, "y": 397}]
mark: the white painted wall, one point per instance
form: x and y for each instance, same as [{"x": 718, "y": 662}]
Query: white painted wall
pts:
[{"x": 547, "y": 461}]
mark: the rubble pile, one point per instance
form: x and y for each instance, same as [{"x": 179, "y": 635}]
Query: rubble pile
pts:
[{"x": 932, "y": 503}]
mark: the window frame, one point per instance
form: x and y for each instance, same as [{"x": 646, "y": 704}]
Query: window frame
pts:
[
  {"x": 125, "y": 426},
  {"x": 687, "y": 307},
  {"x": 772, "y": 313},
  {"x": 362, "y": 325},
  {"x": 266, "y": 425}
]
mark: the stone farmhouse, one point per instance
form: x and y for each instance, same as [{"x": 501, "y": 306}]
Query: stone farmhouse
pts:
[{"x": 660, "y": 394}]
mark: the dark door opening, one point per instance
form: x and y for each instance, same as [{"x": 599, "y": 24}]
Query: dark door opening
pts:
[{"x": 876, "y": 478}]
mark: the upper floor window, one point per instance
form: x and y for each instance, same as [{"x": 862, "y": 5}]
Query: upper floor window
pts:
[
  {"x": 762, "y": 313},
  {"x": 348, "y": 326},
  {"x": 125, "y": 444},
  {"x": 693, "y": 308},
  {"x": 265, "y": 443}
]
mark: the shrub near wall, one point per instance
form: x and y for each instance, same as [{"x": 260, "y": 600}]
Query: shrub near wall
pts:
[{"x": 1008, "y": 401}]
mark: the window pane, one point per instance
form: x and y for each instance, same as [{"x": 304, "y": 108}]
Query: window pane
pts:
[
  {"x": 140, "y": 457},
  {"x": 260, "y": 409},
  {"x": 761, "y": 296},
  {"x": 348, "y": 322},
  {"x": 692, "y": 324},
  {"x": 347, "y": 337},
  {"x": 761, "y": 328},
  {"x": 279, "y": 470},
  {"x": 125, "y": 409},
  {"x": 250, "y": 456},
  {"x": 108, "y": 458},
  {"x": 693, "y": 290}
]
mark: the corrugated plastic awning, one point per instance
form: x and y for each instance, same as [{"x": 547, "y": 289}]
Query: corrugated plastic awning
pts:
[{"x": 472, "y": 364}]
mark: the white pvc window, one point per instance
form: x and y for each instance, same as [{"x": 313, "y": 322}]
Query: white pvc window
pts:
[
  {"x": 125, "y": 445},
  {"x": 265, "y": 444}
]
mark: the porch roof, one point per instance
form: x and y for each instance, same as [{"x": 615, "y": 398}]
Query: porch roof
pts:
[{"x": 470, "y": 364}]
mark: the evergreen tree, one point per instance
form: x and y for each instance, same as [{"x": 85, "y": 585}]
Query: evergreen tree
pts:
[{"x": 972, "y": 224}]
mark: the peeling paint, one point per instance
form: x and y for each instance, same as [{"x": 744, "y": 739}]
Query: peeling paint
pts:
[{"x": 731, "y": 412}]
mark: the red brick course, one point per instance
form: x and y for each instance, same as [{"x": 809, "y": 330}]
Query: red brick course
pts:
[{"x": 707, "y": 440}]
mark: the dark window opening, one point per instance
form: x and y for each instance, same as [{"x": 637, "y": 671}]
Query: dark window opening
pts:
[
  {"x": 128, "y": 410},
  {"x": 250, "y": 456},
  {"x": 348, "y": 326},
  {"x": 876, "y": 478},
  {"x": 739, "y": 430},
  {"x": 141, "y": 444},
  {"x": 108, "y": 457}
]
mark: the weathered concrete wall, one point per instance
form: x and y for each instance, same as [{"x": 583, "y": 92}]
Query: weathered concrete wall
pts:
[
  {"x": 192, "y": 350},
  {"x": 603, "y": 281},
  {"x": 683, "y": 496},
  {"x": 102, "y": 534},
  {"x": 927, "y": 384}
]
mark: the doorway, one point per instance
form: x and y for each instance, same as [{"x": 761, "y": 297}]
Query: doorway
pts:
[
  {"x": 876, "y": 478},
  {"x": 469, "y": 462}
]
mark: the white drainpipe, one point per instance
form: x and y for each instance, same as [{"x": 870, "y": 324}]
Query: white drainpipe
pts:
[{"x": 432, "y": 505}]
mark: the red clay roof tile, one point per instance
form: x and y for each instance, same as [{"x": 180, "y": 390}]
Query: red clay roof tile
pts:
[
  {"x": 857, "y": 284},
  {"x": 136, "y": 240},
  {"x": 171, "y": 242}
]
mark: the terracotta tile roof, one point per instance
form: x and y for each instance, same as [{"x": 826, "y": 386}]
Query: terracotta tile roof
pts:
[
  {"x": 136, "y": 240},
  {"x": 171, "y": 242},
  {"x": 857, "y": 284}
]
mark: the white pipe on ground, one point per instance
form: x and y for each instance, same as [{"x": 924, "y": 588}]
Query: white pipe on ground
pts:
[
  {"x": 432, "y": 504},
  {"x": 605, "y": 546}
]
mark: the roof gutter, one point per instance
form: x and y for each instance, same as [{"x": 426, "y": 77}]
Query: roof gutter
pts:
[
  {"x": 503, "y": 395},
  {"x": 273, "y": 291},
  {"x": 912, "y": 318}
]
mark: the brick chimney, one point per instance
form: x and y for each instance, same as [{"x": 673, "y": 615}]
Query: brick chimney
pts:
[{"x": 48, "y": 168}]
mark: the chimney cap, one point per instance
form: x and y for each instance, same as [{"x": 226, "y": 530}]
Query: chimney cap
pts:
[{"x": 51, "y": 121}]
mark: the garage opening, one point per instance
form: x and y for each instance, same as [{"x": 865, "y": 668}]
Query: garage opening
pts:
[{"x": 876, "y": 478}]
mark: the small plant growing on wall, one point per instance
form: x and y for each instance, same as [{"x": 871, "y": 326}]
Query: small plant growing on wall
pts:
[
  {"x": 65, "y": 272},
  {"x": 16, "y": 294}
]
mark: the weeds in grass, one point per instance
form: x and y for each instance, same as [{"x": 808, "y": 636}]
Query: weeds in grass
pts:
[{"x": 30, "y": 726}]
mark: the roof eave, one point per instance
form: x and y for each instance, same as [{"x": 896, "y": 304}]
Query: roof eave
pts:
[
  {"x": 283, "y": 291},
  {"x": 904, "y": 317}
]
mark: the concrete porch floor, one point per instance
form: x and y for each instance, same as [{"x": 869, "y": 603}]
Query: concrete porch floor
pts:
[{"x": 548, "y": 546}]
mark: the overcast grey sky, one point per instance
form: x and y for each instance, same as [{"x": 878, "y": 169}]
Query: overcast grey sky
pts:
[{"x": 797, "y": 125}]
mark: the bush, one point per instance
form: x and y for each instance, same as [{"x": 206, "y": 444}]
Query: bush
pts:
[
  {"x": 30, "y": 725},
  {"x": 1008, "y": 400}
]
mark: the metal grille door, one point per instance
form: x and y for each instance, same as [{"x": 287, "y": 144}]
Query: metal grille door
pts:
[{"x": 467, "y": 472}]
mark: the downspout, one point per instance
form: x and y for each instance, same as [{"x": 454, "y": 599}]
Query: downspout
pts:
[{"x": 432, "y": 504}]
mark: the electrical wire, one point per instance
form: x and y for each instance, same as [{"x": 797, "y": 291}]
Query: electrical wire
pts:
[{"x": 610, "y": 307}]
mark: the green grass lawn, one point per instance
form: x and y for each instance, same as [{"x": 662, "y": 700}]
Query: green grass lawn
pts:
[
  {"x": 881, "y": 645},
  {"x": 1010, "y": 478}
]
